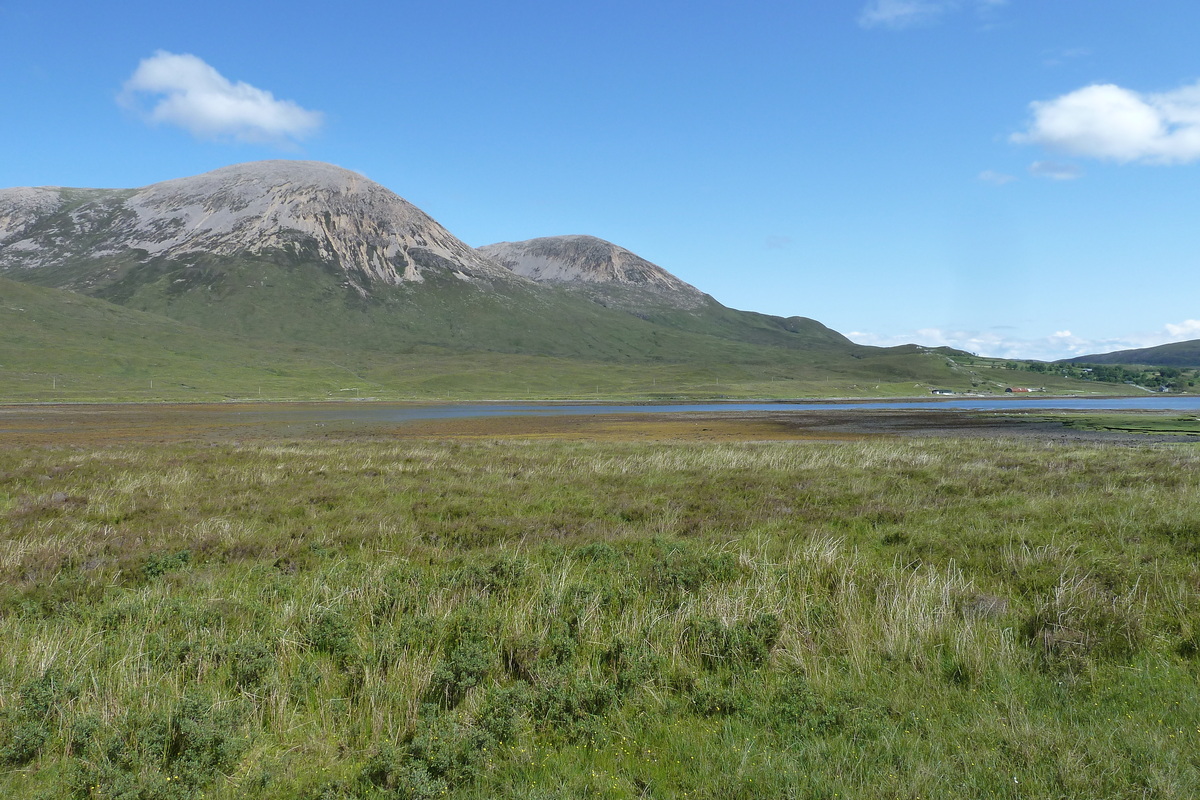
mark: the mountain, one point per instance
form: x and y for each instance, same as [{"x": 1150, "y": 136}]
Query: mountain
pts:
[
  {"x": 1176, "y": 354},
  {"x": 611, "y": 276},
  {"x": 321, "y": 260},
  {"x": 292, "y": 210},
  {"x": 594, "y": 265}
]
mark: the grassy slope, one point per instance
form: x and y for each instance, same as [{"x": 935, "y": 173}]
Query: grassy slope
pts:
[
  {"x": 931, "y": 619},
  {"x": 218, "y": 330},
  {"x": 308, "y": 302},
  {"x": 63, "y": 346},
  {"x": 59, "y": 345},
  {"x": 1177, "y": 354}
]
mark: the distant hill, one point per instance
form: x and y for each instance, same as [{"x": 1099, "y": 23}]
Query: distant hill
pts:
[
  {"x": 320, "y": 262},
  {"x": 1176, "y": 354},
  {"x": 597, "y": 267}
]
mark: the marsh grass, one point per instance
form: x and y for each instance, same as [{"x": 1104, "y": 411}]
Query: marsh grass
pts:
[{"x": 516, "y": 619}]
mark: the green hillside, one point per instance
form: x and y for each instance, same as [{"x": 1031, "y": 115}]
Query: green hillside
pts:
[
  {"x": 1176, "y": 354},
  {"x": 282, "y": 299},
  {"x": 57, "y": 345},
  {"x": 61, "y": 346}
]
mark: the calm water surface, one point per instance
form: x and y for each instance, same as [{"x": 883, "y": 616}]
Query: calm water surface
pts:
[{"x": 400, "y": 412}]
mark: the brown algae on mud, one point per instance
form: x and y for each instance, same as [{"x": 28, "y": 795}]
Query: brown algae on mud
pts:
[
  {"x": 712, "y": 427},
  {"x": 100, "y": 424},
  {"x": 165, "y": 423}
]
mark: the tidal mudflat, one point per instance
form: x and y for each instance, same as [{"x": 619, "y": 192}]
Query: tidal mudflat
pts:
[{"x": 82, "y": 424}]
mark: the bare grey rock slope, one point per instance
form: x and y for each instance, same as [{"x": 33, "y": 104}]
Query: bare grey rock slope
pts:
[
  {"x": 295, "y": 209},
  {"x": 20, "y": 208},
  {"x": 592, "y": 263}
]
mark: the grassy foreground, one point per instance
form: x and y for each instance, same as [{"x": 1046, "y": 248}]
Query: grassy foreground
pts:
[{"x": 373, "y": 619}]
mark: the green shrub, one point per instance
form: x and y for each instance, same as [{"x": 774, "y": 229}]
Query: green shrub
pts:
[
  {"x": 329, "y": 632},
  {"x": 497, "y": 715},
  {"x": 23, "y": 740},
  {"x": 27, "y": 727},
  {"x": 159, "y": 564},
  {"x": 1189, "y": 638},
  {"x": 630, "y": 664},
  {"x": 67, "y": 592},
  {"x": 501, "y": 575},
  {"x": 169, "y": 754},
  {"x": 569, "y": 703},
  {"x": 250, "y": 664},
  {"x": 711, "y": 698},
  {"x": 400, "y": 775},
  {"x": 440, "y": 754},
  {"x": 83, "y": 732},
  {"x": 464, "y": 667},
  {"x": 681, "y": 566},
  {"x": 742, "y": 644},
  {"x": 468, "y": 656}
]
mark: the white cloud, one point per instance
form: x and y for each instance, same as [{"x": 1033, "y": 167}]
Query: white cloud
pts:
[
  {"x": 998, "y": 178},
  {"x": 1107, "y": 122},
  {"x": 1001, "y": 343},
  {"x": 1188, "y": 329},
  {"x": 900, "y": 14},
  {"x": 183, "y": 90},
  {"x": 1055, "y": 170}
]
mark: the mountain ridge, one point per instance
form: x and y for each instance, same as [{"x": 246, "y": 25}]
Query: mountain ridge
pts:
[
  {"x": 1173, "y": 354},
  {"x": 262, "y": 207},
  {"x": 308, "y": 255}
]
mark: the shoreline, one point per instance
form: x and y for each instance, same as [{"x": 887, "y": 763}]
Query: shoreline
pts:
[{"x": 95, "y": 424}]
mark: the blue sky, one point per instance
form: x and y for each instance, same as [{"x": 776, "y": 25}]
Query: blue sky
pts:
[{"x": 1012, "y": 177}]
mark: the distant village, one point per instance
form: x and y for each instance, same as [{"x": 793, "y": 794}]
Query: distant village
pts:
[
  {"x": 1008, "y": 390},
  {"x": 1150, "y": 379}
]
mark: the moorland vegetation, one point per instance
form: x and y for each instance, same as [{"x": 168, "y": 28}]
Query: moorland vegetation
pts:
[{"x": 384, "y": 619}]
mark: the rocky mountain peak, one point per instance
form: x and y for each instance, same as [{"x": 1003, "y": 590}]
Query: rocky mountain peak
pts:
[
  {"x": 301, "y": 209},
  {"x": 589, "y": 261},
  {"x": 21, "y": 207}
]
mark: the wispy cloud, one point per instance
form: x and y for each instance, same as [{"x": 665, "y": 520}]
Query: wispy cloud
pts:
[
  {"x": 1055, "y": 170},
  {"x": 900, "y": 14},
  {"x": 183, "y": 90},
  {"x": 1108, "y": 122},
  {"x": 997, "y": 178},
  {"x": 999, "y": 342},
  {"x": 1055, "y": 58}
]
